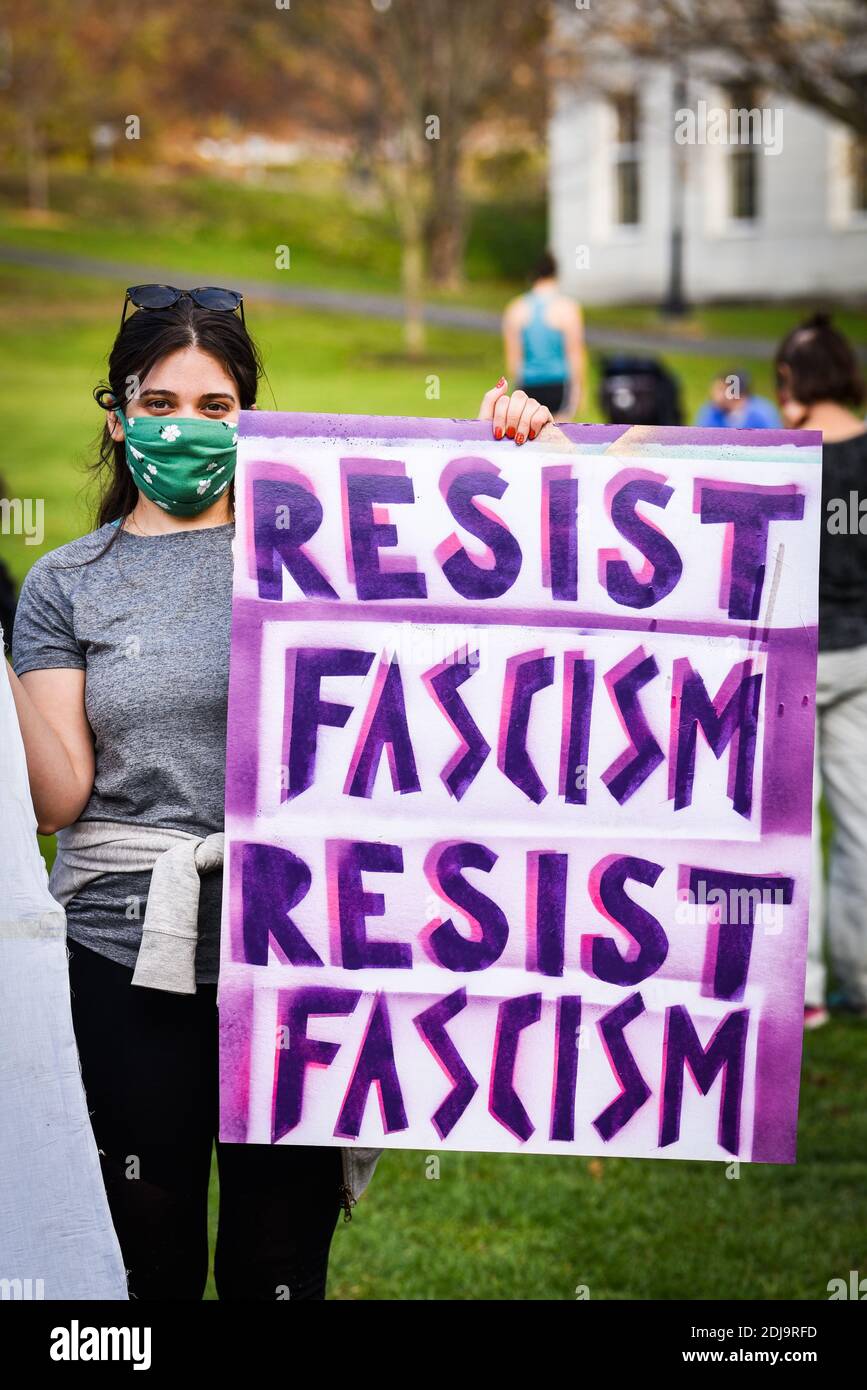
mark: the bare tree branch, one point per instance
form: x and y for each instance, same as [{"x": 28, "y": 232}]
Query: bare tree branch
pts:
[{"x": 815, "y": 52}]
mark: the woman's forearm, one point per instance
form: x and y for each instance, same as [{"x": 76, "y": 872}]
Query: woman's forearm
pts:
[{"x": 60, "y": 789}]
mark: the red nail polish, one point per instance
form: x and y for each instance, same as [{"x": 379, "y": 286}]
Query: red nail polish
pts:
[
  {"x": 519, "y": 439},
  {"x": 502, "y": 381},
  {"x": 532, "y": 434},
  {"x": 498, "y": 433},
  {"x": 511, "y": 432}
]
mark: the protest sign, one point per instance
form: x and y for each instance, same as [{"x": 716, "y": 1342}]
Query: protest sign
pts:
[{"x": 518, "y": 802}]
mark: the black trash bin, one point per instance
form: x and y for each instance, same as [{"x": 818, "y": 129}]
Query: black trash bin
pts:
[{"x": 639, "y": 391}]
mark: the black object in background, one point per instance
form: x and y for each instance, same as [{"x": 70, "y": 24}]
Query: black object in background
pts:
[
  {"x": 639, "y": 391},
  {"x": 8, "y": 599}
]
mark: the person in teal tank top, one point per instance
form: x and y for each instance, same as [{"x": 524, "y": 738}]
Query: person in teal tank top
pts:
[
  {"x": 543, "y": 345},
  {"x": 543, "y": 338}
]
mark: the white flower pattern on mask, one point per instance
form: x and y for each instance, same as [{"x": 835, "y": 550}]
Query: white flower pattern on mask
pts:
[{"x": 170, "y": 432}]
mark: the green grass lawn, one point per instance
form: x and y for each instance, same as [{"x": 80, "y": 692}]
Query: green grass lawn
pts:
[
  {"x": 225, "y": 229},
  {"x": 220, "y": 230},
  {"x": 60, "y": 328},
  {"x": 491, "y": 1226}
]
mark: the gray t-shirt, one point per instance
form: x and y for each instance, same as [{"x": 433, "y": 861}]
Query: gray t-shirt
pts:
[{"x": 149, "y": 622}]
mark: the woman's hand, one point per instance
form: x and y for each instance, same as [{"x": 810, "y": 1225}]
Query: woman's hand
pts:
[{"x": 516, "y": 416}]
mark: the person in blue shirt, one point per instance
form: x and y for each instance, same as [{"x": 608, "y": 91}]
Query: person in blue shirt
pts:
[
  {"x": 543, "y": 337},
  {"x": 733, "y": 406}
]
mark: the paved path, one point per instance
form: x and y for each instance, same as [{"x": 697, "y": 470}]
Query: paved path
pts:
[{"x": 386, "y": 306}]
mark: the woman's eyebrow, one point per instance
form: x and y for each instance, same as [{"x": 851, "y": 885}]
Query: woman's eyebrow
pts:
[
  {"x": 217, "y": 396},
  {"x": 154, "y": 391}
]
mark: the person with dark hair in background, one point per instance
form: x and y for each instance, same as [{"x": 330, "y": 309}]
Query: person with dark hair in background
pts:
[
  {"x": 733, "y": 406},
  {"x": 820, "y": 387},
  {"x": 543, "y": 338}
]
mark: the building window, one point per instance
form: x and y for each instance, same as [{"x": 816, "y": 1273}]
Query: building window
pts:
[
  {"x": 858, "y": 148},
  {"x": 627, "y": 170},
  {"x": 742, "y": 185},
  {"x": 743, "y": 158},
  {"x": 859, "y": 175}
]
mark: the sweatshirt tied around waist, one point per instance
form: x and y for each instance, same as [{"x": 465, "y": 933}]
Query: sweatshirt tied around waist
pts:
[{"x": 176, "y": 859}]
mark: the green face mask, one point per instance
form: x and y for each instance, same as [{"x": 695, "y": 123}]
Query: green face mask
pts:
[{"x": 183, "y": 465}]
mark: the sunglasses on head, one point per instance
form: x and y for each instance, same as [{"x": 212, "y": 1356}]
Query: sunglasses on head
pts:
[{"x": 164, "y": 296}]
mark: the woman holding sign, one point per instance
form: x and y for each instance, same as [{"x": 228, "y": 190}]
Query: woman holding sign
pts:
[
  {"x": 121, "y": 656},
  {"x": 820, "y": 387}
]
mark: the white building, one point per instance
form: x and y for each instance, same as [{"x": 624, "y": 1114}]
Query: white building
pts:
[{"x": 782, "y": 216}]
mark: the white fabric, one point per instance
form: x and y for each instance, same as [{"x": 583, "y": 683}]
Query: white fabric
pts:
[{"x": 56, "y": 1236}]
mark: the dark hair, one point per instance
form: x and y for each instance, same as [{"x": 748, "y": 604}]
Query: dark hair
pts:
[
  {"x": 821, "y": 364},
  {"x": 147, "y": 336},
  {"x": 545, "y": 267}
]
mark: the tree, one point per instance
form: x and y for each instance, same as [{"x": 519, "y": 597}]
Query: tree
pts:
[
  {"x": 406, "y": 83},
  {"x": 38, "y": 63},
  {"x": 63, "y": 69},
  {"x": 485, "y": 62},
  {"x": 409, "y": 81}
]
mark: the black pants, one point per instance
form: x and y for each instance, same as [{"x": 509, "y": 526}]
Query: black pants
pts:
[
  {"x": 149, "y": 1063},
  {"x": 549, "y": 393}
]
